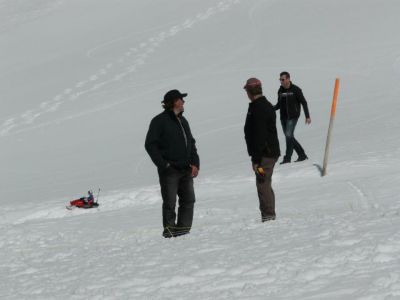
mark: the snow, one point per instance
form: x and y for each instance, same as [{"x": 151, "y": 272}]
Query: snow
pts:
[{"x": 80, "y": 82}]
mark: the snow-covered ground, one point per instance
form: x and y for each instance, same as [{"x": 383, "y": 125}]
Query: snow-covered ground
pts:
[{"x": 80, "y": 81}]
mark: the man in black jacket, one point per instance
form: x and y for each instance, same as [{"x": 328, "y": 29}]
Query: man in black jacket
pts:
[
  {"x": 172, "y": 148},
  {"x": 262, "y": 145},
  {"x": 290, "y": 97}
]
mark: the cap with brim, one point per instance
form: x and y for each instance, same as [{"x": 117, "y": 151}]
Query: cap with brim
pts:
[{"x": 173, "y": 95}]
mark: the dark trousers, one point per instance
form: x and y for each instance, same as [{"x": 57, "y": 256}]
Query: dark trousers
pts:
[
  {"x": 288, "y": 127},
  {"x": 266, "y": 194},
  {"x": 179, "y": 183}
]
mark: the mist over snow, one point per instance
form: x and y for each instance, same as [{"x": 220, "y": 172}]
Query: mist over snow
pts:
[{"x": 80, "y": 81}]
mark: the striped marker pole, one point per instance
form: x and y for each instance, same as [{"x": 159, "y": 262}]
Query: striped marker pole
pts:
[{"x": 333, "y": 115}]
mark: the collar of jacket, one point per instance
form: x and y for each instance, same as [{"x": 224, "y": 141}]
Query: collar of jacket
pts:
[
  {"x": 258, "y": 99},
  {"x": 284, "y": 89},
  {"x": 172, "y": 114}
]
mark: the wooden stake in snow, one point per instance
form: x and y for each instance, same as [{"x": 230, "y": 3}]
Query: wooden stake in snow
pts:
[{"x": 333, "y": 115}]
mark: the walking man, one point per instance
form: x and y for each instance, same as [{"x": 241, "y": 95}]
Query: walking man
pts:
[
  {"x": 172, "y": 148},
  {"x": 290, "y": 97},
  {"x": 262, "y": 145}
]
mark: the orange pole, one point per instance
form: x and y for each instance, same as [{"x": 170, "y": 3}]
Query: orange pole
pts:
[
  {"x": 335, "y": 96},
  {"x": 333, "y": 115}
]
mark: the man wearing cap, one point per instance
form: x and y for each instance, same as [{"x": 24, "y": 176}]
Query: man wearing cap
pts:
[
  {"x": 290, "y": 97},
  {"x": 172, "y": 148},
  {"x": 262, "y": 145}
]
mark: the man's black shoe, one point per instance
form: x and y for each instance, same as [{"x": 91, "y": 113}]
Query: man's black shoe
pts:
[
  {"x": 301, "y": 158},
  {"x": 175, "y": 231},
  {"x": 180, "y": 232},
  {"x": 285, "y": 161},
  {"x": 168, "y": 233},
  {"x": 268, "y": 218}
]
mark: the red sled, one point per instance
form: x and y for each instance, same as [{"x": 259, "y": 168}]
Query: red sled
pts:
[{"x": 82, "y": 203}]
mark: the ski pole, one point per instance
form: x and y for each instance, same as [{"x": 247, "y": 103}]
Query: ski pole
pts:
[{"x": 98, "y": 193}]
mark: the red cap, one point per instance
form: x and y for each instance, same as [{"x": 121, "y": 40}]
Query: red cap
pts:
[{"x": 252, "y": 82}]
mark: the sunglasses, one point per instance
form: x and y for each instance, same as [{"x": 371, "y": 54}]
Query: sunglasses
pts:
[{"x": 282, "y": 79}]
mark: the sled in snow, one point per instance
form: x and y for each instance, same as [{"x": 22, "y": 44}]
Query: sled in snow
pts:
[{"x": 84, "y": 202}]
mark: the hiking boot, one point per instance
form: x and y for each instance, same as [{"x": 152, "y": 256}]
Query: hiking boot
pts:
[
  {"x": 168, "y": 233},
  {"x": 180, "y": 232},
  {"x": 268, "y": 218},
  {"x": 301, "y": 158}
]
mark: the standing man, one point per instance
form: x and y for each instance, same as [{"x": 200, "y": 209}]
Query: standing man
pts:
[
  {"x": 262, "y": 145},
  {"x": 290, "y": 97},
  {"x": 172, "y": 148}
]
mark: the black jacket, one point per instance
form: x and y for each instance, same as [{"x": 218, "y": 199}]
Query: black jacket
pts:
[
  {"x": 289, "y": 101},
  {"x": 260, "y": 130},
  {"x": 166, "y": 142}
]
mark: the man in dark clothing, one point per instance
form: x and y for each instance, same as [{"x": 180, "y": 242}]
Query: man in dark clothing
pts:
[
  {"x": 290, "y": 97},
  {"x": 262, "y": 145},
  {"x": 172, "y": 148}
]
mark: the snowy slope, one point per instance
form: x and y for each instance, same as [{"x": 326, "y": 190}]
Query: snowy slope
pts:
[{"x": 79, "y": 84}]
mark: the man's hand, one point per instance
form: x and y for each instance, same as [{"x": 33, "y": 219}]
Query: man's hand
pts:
[
  {"x": 308, "y": 121},
  {"x": 195, "y": 171}
]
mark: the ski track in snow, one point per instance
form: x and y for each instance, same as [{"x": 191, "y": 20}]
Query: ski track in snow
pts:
[
  {"x": 143, "y": 197},
  {"x": 112, "y": 201},
  {"x": 11, "y": 17},
  {"x": 298, "y": 256},
  {"x": 363, "y": 201},
  {"x": 131, "y": 61},
  {"x": 282, "y": 261}
]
